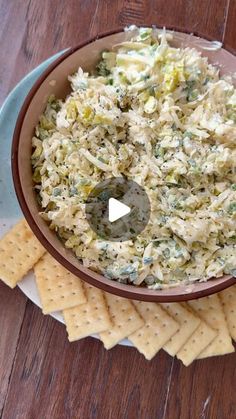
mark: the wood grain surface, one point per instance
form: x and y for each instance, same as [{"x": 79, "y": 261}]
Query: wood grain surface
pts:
[{"x": 42, "y": 376}]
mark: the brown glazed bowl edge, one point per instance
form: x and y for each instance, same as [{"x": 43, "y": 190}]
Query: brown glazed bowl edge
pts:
[{"x": 177, "y": 293}]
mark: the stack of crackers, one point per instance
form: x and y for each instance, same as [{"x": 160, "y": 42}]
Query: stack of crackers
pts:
[{"x": 198, "y": 329}]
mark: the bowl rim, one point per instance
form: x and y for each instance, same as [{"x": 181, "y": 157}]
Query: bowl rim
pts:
[{"x": 177, "y": 293}]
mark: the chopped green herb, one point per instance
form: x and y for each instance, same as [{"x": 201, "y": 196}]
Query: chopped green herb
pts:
[
  {"x": 133, "y": 276},
  {"x": 166, "y": 253},
  {"x": 192, "y": 163},
  {"x": 188, "y": 134},
  {"x": 159, "y": 152},
  {"x": 101, "y": 159},
  {"x": 232, "y": 208},
  {"x": 102, "y": 69},
  {"x": 192, "y": 95},
  {"x": 56, "y": 191},
  {"x": 73, "y": 191},
  {"x": 147, "y": 260},
  {"x": 221, "y": 261},
  {"x": 145, "y": 33},
  {"x": 127, "y": 270}
]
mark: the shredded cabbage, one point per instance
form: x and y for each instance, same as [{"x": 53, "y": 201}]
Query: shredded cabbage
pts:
[{"x": 163, "y": 117}]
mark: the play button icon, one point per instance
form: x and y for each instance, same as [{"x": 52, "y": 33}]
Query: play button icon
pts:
[{"x": 117, "y": 209}]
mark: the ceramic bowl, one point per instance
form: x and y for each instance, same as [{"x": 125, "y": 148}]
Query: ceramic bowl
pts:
[{"x": 54, "y": 81}]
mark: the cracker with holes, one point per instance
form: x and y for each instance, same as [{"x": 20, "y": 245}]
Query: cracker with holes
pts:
[
  {"x": 228, "y": 299},
  {"x": 210, "y": 310},
  {"x": 157, "y": 330},
  {"x": 58, "y": 288},
  {"x": 91, "y": 317},
  {"x": 19, "y": 251},
  {"x": 200, "y": 339},
  {"x": 188, "y": 324},
  {"x": 125, "y": 319}
]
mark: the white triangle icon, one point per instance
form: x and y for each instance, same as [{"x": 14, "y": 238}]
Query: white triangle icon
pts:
[{"x": 116, "y": 210}]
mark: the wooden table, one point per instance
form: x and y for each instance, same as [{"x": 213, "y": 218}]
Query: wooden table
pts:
[{"x": 42, "y": 376}]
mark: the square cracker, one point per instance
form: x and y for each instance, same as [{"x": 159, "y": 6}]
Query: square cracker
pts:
[
  {"x": 199, "y": 340},
  {"x": 157, "y": 330},
  {"x": 210, "y": 310},
  {"x": 58, "y": 288},
  {"x": 91, "y": 317},
  {"x": 188, "y": 324},
  {"x": 228, "y": 299},
  {"x": 19, "y": 251},
  {"x": 125, "y": 320}
]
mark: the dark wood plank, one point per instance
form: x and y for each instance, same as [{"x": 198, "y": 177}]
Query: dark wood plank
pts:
[
  {"x": 203, "y": 17},
  {"x": 204, "y": 390},
  {"x": 12, "y": 309},
  {"x": 12, "y": 18},
  {"x": 81, "y": 379},
  {"x": 230, "y": 30},
  {"x": 33, "y": 33}
]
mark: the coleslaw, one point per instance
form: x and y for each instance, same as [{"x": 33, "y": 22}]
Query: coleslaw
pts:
[{"x": 165, "y": 118}]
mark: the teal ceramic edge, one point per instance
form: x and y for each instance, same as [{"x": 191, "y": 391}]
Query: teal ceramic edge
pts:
[{"x": 9, "y": 207}]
